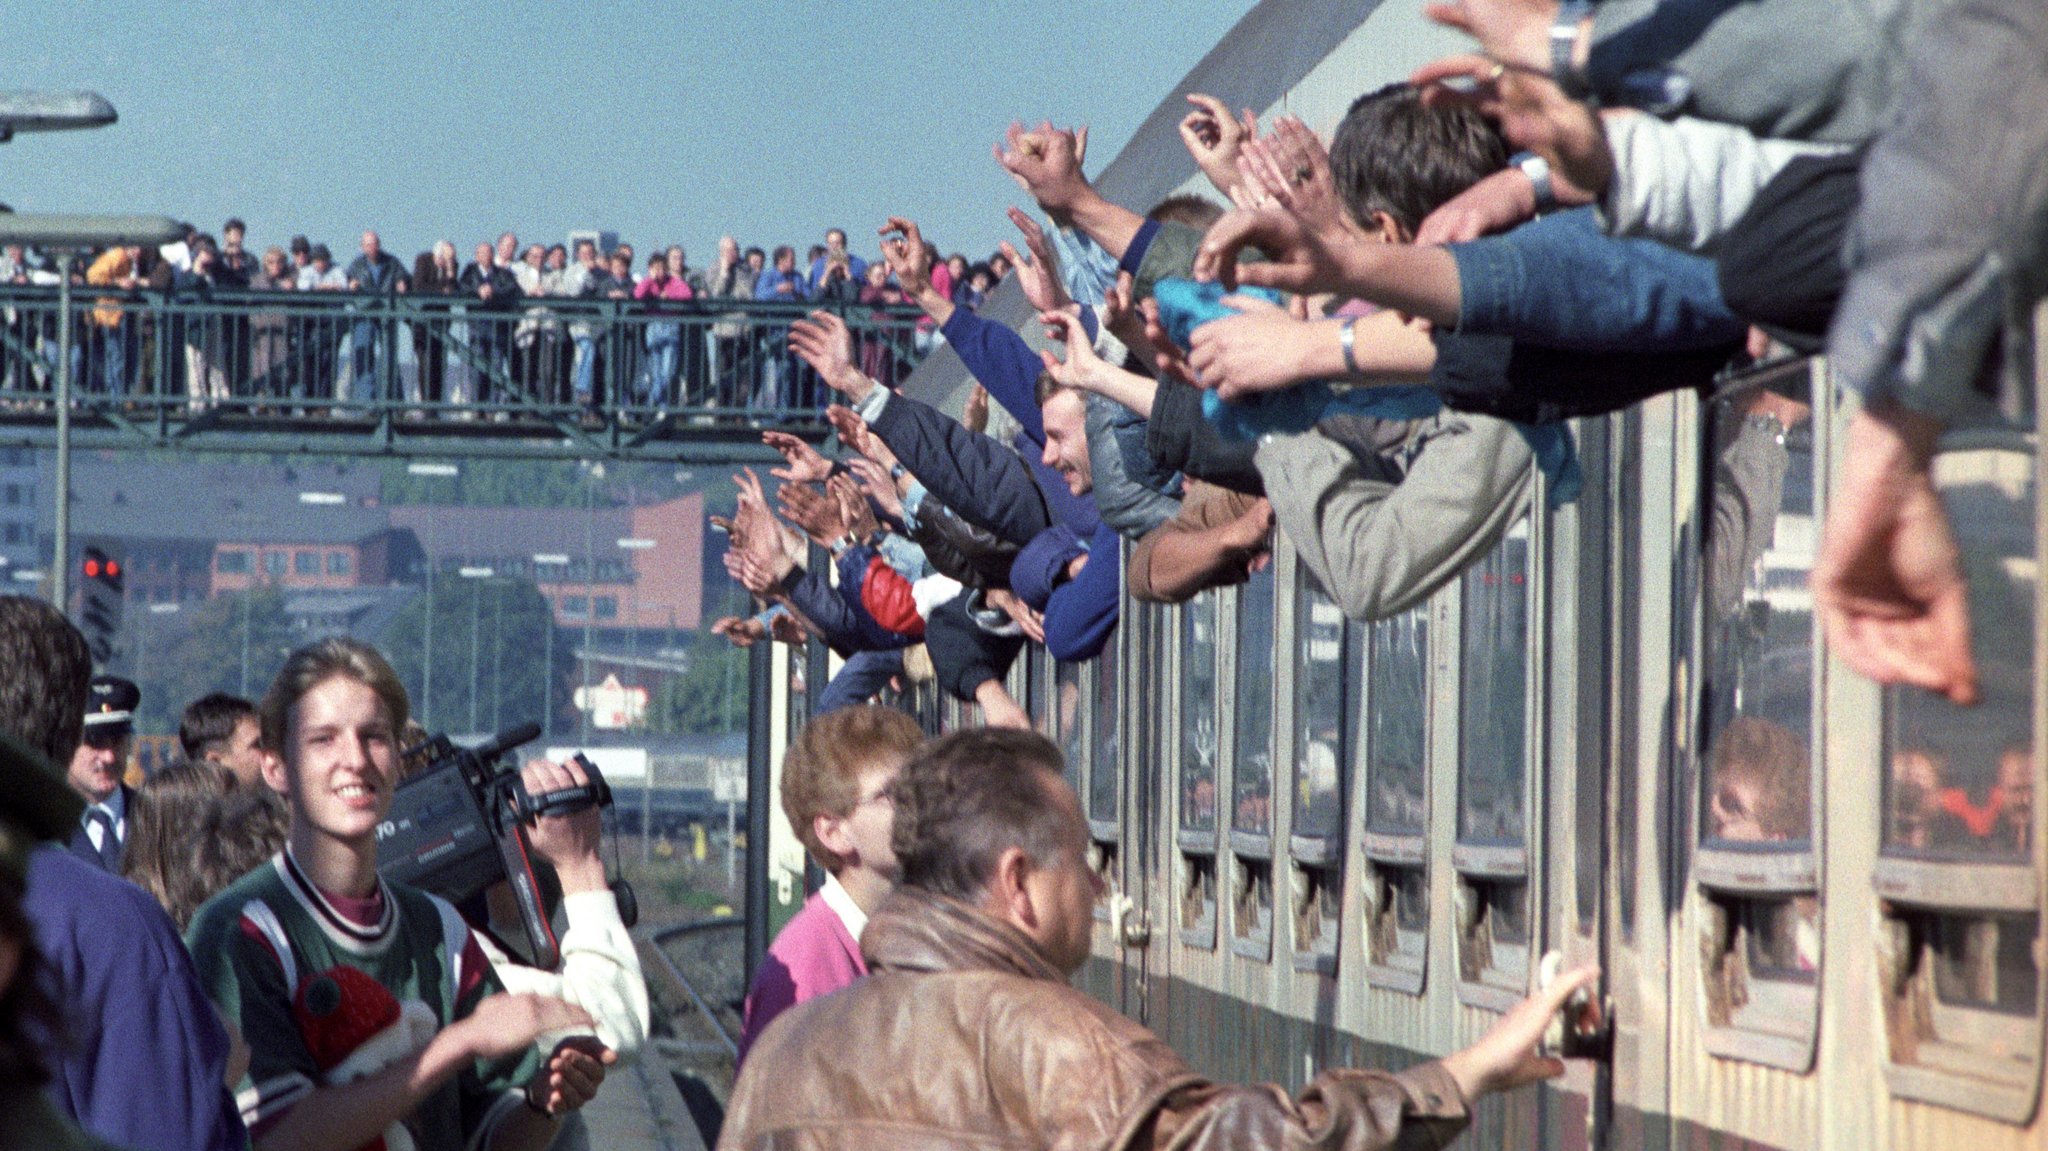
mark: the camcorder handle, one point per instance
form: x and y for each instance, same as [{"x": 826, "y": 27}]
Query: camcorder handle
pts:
[{"x": 568, "y": 801}]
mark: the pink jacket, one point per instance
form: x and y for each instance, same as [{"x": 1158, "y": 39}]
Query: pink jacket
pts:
[{"x": 812, "y": 955}]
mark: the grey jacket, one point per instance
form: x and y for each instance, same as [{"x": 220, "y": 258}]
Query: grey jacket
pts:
[
  {"x": 1949, "y": 250},
  {"x": 1382, "y": 531}
]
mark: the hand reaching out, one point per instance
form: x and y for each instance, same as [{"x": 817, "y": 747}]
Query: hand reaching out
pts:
[
  {"x": 974, "y": 415},
  {"x": 1291, "y": 166},
  {"x": 572, "y": 1076},
  {"x": 854, "y": 510},
  {"x": 788, "y": 629},
  {"x": 1258, "y": 350},
  {"x": 806, "y": 466},
  {"x": 824, "y": 343},
  {"x": 1083, "y": 368},
  {"x": 1299, "y": 260},
  {"x": 855, "y": 433},
  {"x": 1029, "y": 620},
  {"x": 1533, "y": 112},
  {"x": 1514, "y": 32},
  {"x": 1046, "y": 163},
  {"x": 904, "y": 251},
  {"x": 812, "y": 511},
  {"x": 739, "y": 632},
  {"x": 1213, "y": 138},
  {"x": 1037, "y": 273},
  {"x": 1506, "y": 1057},
  {"x": 875, "y": 481}
]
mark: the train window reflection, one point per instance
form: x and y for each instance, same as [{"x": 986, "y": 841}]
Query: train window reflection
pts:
[
  {"x": 1987, "y": 962},
  {"x": 1198, "y": 713},
  {"x": 1066, "y": 719},
  {"x": 1758, "y": 687},
  {"x": 1252, "y": 745},
  {"x": 1397, "y": 669},
  {"x": 1320, "y": 697},
  {"x": 1102, "y": 774},
  {"x": 1961, "y": 780},
  {"x": 1492, "y": 705}
]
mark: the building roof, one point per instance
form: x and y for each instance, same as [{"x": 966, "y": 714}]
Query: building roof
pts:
[
  {"x": 205, "y": 501},
  {"x": 514, "y": 533}
]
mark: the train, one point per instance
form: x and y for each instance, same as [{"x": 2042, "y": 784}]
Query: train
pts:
[{"x": 1817, "y": 903}]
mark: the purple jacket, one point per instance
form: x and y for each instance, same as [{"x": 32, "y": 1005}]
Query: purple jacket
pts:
[{"x": 812, "y": 955}]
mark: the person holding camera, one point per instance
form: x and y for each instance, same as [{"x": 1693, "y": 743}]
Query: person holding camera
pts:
[
  {"x": 369, "y": 1007},
  {"x": 600, "y": 969}
]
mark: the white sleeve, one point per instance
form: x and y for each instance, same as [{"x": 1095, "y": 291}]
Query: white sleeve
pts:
[
  {"x": 600, "y": 971},
  {"x": 1685, "y": 182}
]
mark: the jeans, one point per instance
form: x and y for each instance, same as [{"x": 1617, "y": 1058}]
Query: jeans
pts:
[
  {"x": 583, "y": 370},
  {"x": 859, "y": 679},
  {"x": 363, "y": 337},
  {"x": 659, "y": 373}
]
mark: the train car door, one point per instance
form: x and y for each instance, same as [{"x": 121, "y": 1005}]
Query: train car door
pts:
[{"x": 1580, "y": 686}]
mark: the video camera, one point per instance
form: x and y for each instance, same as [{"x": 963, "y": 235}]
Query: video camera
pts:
[{"x": 458, "y": 826}]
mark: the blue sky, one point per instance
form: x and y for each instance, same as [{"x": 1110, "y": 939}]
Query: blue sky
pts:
[{"x": 771, "y": 120}]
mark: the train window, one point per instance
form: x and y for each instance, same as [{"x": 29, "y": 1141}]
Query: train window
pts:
[
  {"x": 1252, "y": 727},
  {"x": 1493, "y": 707},
  {"x": 1321, "y": 692},
  {"x": 1491, "y": 851},
  {"x": 1103, "y": 772},
  {"x": 1251, "y": 750},
  {"x": 1395, "y": 757},
  {"x": 1197, "y": 770},
  {"x": 1760, "y": 915},
  {"x": 1063, "y": 721},
  {"x": 1961, "y": 950},
  {"x": 1325, "y": 704},
  {"x": 1037, "y": 673}
]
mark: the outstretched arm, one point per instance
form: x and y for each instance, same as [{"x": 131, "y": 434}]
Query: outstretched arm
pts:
[{"x": 1046, "y": 163}]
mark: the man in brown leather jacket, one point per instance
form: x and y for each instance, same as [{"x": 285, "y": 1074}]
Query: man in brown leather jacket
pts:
[{"x": 966, "y": 1034}]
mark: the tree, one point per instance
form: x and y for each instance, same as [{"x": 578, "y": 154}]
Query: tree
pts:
[
  {"x": 234, "y": 642},
  {"x": 708, "y": 699},
  {"x": 499, "y": 628}
]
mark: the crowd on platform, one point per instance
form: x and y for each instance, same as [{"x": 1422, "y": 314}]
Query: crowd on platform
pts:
[
  {"x": 1371, "y": 346},
  {"x": 478, "y": 331}
]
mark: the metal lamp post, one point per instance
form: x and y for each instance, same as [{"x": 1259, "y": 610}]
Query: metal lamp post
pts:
[
  {"x": 476, "y": 604},
  {"x": 429, "y": 468}
]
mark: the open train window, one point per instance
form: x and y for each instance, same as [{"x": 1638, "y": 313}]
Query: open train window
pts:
[
  {"x": 1758, "y": 883},
  {"x": 1065, "y": 722},
  {"x": 1325, "y": 703},
  {"x": 1491, "y": 854},
  {"x": 1958, "y": 871},
  {"x": 1396, "y": 758},
  {"x": 1251, "y": 751},
  {"x": 1196, "y": 832}
]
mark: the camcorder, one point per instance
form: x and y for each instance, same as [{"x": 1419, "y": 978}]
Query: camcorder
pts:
[{"x": 459, "y": 825}]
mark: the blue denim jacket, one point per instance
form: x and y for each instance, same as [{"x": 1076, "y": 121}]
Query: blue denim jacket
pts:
[{"x": 1560, "y": 282}]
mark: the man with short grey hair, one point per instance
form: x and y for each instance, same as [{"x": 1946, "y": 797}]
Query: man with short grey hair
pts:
[{"x": 966, "y": 1032}]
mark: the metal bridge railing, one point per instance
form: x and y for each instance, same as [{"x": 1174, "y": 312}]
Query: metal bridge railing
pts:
[{"x": 144, "y": 355}]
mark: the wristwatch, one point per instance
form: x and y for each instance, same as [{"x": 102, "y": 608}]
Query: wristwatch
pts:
[
  {"x": 1564, "y": 43},
  {"x": 1538, "y": 170},
  {"x": 896, "y": 471}
]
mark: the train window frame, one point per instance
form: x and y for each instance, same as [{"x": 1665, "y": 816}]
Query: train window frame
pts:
[
  {"x": 1394, "y": 862},
  {"x": 1316, "y": 861},
  {"x": 1199, "y": 850},
  {"x": 1252, "y": 892},
  {"x": 1972, "y": 1057},
  {"x": 1750, "y": 1011},
  {"x": 1494, "y": 880}
]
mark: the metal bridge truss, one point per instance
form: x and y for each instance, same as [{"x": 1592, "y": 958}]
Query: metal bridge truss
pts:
[{"x": 422, "y": 376}]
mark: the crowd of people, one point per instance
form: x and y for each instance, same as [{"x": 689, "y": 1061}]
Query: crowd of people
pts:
[
  {"x": 1371, "y": 346},
  {"x": 186, "y": 320},
  {"x": 211, "y": 960}
]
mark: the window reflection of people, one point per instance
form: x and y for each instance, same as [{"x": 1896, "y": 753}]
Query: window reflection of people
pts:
[
  {"x": 1748, "y": 493},
  {"x": 1758, "y": 790},
  {"x": 1918, "y": 822},
  {"x": 2014, "y": 796}
]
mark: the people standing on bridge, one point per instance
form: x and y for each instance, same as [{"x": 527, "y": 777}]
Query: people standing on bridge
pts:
[
  {"x": 731, "y": 351},
  {"x": 374, "y": 273},
  {"x": 781, "y": 284},
  {"x": 966, "y": 1029},
  {"x": 116, "y": 332},
  {"x": 497, "y": 292},
  {"x": 662, "y": 333},
  {"x": 320, "y": 341},
  {"x": 436, "y": 275},
  {"x": 835, "y": 792}
]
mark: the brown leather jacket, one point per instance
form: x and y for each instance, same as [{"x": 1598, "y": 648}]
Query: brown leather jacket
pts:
[{"x": 962, "y": 1036}]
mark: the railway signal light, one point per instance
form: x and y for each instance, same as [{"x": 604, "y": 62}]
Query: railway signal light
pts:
[{"x": 101, "y": 596}]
